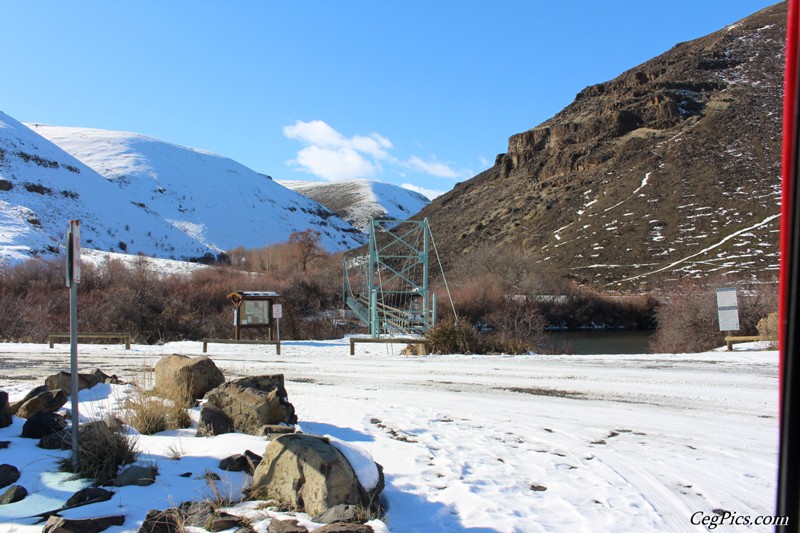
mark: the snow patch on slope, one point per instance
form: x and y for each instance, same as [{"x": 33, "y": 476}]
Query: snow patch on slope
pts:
[
  {"x": 358, "y": 201},
  {"x": 211, "y": 198}
]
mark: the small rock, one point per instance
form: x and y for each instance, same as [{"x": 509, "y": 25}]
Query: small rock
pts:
[
  {"x": 57, "y": 524},
  {"x": 285, "y": 526},
  {"x": 238, "y": 463},
  {"x": 198, "y": 514},
  {"x": 222, "y": 521},
  {"x": 136, "y": 475},
  {"x": 5, "y": 410},
  {"x": 42, "y": 424},
  {"x": 345, "y": 528},
  {"x": 538, "y": 488},
  {"x": 14, "y": 407},
  {"x": 13, "y": 494},
  {"x": 166, "y": 521},
  {"x": 47, "y": 401},
  {"x": 275, "y": 429},
  {"x": 185, "y": 474},
  {"x": 337, "y": 513},
  {"x": 213, "y": 422},
  {"x": 9, "y": 474},
  {"x": 4, "y": 444},
  {"x": 90, "y": 494}
]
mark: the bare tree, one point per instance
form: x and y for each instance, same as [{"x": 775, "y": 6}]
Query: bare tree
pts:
[{"x": 307, "y": 246}]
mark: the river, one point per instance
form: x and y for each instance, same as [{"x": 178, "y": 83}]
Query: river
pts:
[{"x": 599, "y": 341}]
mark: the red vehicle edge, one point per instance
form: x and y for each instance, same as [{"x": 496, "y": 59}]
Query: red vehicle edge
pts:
[{"x": 788, "y": 497}]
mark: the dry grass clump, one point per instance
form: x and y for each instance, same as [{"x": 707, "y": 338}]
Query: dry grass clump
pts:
[
  {"x": 769, "y": 329},
  {"x": 153, "y": 415},
  {"x": 102, "y": 449}
]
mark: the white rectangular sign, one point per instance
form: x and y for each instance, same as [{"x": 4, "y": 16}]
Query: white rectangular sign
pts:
[
  {"x": 74, "y": 252},
  {"x": 728, "y": 309},
  {"x": 277, "y": 311}
]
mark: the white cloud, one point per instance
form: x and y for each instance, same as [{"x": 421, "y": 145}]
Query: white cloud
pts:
[
  {"x": 434, "y": 168},
  {"x": 430, "y": 193},
  {"x": 334, "y": 157},
  {"x": 336, "y": 164}
]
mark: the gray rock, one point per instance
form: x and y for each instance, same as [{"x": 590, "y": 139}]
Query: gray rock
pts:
[
  {"x": 285, "y": 526},
  {"x": 136, "y": 475},
  {"x": 338, "y": 513}
]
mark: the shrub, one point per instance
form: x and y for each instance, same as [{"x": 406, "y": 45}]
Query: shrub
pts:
[
  {"x": 768, "y": 328},
  {"x": 454, "y": 337},
  {"x": 102, "y": 449}
]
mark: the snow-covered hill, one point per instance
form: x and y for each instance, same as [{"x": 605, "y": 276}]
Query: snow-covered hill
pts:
[
  {"x": 42, "y": 187},
  {"x": 211, "y": 198},
  {"x": 359, "y": 200}
]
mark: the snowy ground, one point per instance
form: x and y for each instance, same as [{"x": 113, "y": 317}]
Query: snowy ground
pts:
[{"x": 468, "y": 443}]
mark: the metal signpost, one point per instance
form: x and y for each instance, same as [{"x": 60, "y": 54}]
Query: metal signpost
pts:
[
  {"x": 73, "y": 278},
  {"x": 728, "y": 309}
]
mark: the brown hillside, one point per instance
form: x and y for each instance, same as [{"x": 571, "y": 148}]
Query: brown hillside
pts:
[{"x": 672, "y": 169}]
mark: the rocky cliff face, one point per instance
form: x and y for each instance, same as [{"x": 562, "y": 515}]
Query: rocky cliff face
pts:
[{"x": 671, "y": 169}]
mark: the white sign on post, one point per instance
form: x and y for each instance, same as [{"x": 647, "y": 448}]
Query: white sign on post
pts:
[
  {"x": 728, "y": 309},
  {"x": 277, "y": 311},
  {"x": 73, "y": 252}
]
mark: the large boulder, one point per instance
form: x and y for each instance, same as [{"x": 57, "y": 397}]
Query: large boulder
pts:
[
  {"x": 182, "y": 377},
  {"x": 5, "y": 410},
  {"x": 310, "y": 474},
  {"x": 47, "y": 401},
  {"x": 253, "y": 402}
]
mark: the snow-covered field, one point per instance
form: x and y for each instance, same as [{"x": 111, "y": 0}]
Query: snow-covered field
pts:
[{"x": 647, "y": 442}]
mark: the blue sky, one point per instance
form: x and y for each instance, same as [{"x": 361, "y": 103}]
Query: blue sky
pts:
[{"x": 422, "y": 94}]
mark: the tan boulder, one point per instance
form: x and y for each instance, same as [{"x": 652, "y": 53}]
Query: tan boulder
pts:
[
  {"x": 309, "y": 474},
  {"x": 253, "y": 402},
  {"x": 182, "y": 377},
  {"x": 48, "y": 401}
]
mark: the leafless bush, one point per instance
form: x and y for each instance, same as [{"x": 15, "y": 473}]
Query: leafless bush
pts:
[{"x": 688, "y": 320}]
